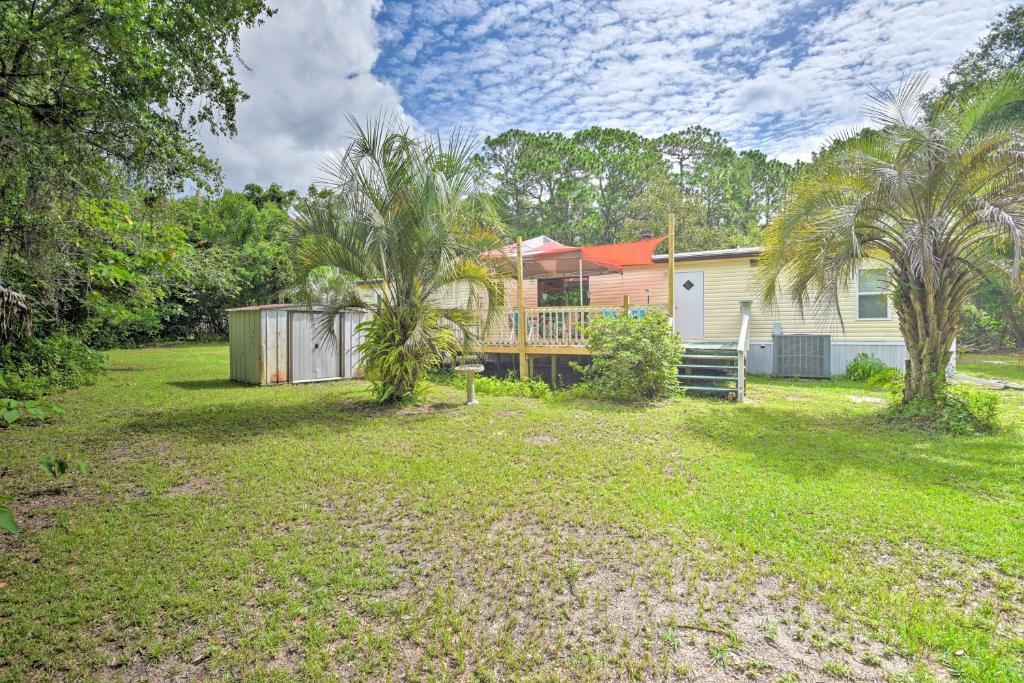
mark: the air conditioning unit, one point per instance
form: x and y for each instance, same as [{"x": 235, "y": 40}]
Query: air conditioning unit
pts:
[{"x": 802, "y": 355}]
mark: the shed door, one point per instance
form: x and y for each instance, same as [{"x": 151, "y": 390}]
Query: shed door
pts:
[
  {"x": 689, "y": 313},
  {"x": 313, "y": 358}
]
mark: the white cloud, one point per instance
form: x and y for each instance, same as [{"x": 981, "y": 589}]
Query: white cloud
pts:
[
  {"x": 309, "y": 66},
  {"x": 779, "y": 76}
]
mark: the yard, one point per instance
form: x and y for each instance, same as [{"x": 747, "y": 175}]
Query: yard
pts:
[{"x": 227, "y": 531}]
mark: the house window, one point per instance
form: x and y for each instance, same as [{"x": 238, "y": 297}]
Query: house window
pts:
[
  {"x": 563, "y": 292},
  {"x": 872, "y": 303}
]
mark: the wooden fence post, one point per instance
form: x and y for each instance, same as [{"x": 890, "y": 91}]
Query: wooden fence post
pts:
[
  {"x": 672, "y": 268},
  {"x": 524, "y": 370}
]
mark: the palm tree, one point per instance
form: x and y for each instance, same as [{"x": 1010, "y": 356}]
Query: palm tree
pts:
[
  {"x": 935, "y": 192},
  {"x": 407, "y": 215}
]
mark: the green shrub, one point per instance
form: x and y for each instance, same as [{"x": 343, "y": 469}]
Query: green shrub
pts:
[
  {"x": 980, "y": 330},
  {"x": 37, "y": 366},
  {"x": 512, "y": 386},
  {"x": 961, "y": 411},
  {"x": 865, "y": 366},
  {"x": 967, "y": 411},
  {"x": 632, "y": 358},
  {"x": 509, "y": 385}
]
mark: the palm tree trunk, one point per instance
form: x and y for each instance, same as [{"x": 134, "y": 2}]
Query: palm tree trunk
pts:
[{"x": 929, "y": 322}]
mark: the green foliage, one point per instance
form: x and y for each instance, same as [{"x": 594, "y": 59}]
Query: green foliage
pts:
[
  {"x": 58, "y": 467},
  {"x": 999, "y": 51},
  {"x": 129, "y": 81},
  {"x": 100, "y": 105},
  {"x": 409, "y": 215},
  {"x": 633, "y": 358},
  {"x": 981, "y": 331},
  {"x": 129, "y": 269},
  {"x": 864, "y": 366},
  {"x": 12, "y": 410},
  {"x": 7, "y": 521},
  {"x": 960, "y": 411},
  {"x": 606, "y": 185},
  {"x": 511, "y": 385},
  {"x": 392, "y": 366},
  {"x": 37, "y": 366}
]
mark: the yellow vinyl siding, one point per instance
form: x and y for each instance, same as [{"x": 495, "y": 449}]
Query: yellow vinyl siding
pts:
[{"x": 729, "y": 281}]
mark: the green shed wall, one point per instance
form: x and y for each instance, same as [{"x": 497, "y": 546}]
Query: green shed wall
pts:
[{"x": 244, "y": 338}]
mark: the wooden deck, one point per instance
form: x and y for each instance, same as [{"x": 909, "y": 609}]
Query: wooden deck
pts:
[{"x": 551, "y": 330}]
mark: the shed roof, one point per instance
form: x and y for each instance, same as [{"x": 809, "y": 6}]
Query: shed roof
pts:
[{"x": 278, "y": 307}]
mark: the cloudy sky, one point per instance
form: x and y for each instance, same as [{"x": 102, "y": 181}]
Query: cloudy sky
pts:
[{"x": 779, "y": 75}]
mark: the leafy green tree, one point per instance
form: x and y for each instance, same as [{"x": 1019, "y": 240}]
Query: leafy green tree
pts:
[
  {"x": 622, "y": 165},
  {"x": 757, "y": 186},
  {"x": 701, "y": 160},
  {"x": 1000, "y": 51},
  {"x": 648, "y": 215},
  {"x": 96, "y": 99},
  {"x": 930, "y": 191},
  {"x": 274, "y": 194},
  {"x": 128, "y": 270},
  {"x": 407, "y": 213},
  {"x": 543, "y": 185}
]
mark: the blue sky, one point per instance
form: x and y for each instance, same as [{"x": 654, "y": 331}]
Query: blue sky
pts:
[{"x": 779, "y": 76}]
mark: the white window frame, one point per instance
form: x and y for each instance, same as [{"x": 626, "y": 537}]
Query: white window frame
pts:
[{"x": 883, "y": 294}]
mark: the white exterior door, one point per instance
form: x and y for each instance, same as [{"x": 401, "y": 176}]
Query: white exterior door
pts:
[{"x": 689, "y": 313}]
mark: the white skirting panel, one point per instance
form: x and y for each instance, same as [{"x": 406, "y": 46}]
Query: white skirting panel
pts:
[{"x": 894, "y": 354}]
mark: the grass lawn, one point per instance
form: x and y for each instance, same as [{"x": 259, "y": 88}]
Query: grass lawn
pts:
[
  {"x": 299, "y": 532},
  {"x": 992, "y": 365}
]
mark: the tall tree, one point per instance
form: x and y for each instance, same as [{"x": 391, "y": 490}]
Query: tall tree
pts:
[
  {"x": 96, "y": 97},
  {"x": 543, "y": 184},
  {"x": 931, "y": 192},
  {"x": 622, "y": 164},
  {"x": 1001, "y": 50}
]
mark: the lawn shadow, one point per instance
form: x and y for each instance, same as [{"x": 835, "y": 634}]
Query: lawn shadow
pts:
[
  {"x": 201, "y": 384},
  {"x": 817, "y": 445},
  {"x": 248, "y": 421}
]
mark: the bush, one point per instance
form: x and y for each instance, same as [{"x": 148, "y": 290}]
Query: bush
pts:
[
  {"x": 865, "y": 366},
  {"x": 496, "y": 386},
  {"x": 633, "y": 359},
  {"x": 980, "y": 330},
  {"x": 512, "y": 386},
  {"x": 961, "y": 411},
  {"x": 37, "y": 366}
]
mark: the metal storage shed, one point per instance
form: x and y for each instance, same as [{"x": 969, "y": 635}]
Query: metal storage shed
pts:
[{"x": 276, "y": 343}]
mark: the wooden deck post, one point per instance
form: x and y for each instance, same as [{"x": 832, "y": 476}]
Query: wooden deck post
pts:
[
  {"x": 672, "y": 268},
  {"x": 554, "y": 370},
  {"x": 625, "y": 304},
  {"x": 521, "y": 314}
]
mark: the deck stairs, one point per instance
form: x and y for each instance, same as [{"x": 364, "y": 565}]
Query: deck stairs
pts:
[{"x": 710, "y": 369}]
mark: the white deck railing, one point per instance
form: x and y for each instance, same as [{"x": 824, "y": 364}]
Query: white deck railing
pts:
[{"x": 553, "y": 326}]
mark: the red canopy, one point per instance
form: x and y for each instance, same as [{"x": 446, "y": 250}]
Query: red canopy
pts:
[{"x": 543, "y": 257}]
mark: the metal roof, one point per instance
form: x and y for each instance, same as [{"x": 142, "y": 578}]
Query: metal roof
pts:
[{"x": 738, "y": 252}]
